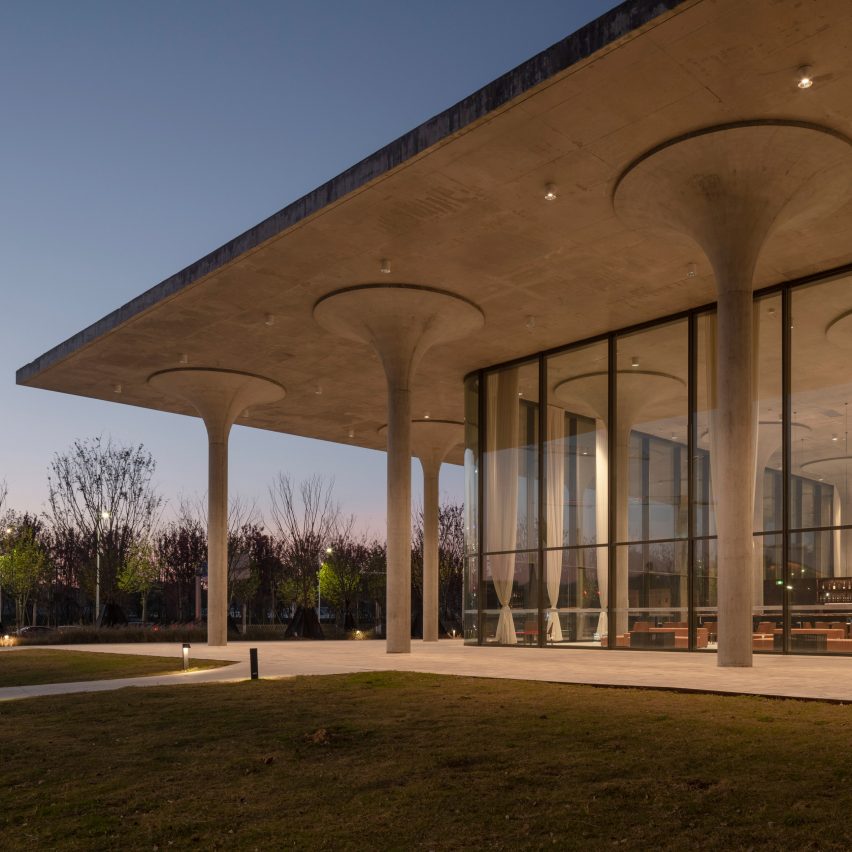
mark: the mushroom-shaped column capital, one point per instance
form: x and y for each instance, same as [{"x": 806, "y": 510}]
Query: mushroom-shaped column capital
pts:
[
  {"x": 728, "y": 187},
  {"x": 401, "y": 322},
  {"x": 219, "y": 397},
  {"x": 433, "y": 440}
]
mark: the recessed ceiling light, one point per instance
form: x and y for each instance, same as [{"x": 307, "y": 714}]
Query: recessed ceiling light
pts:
[
  {"x": 426, "y": 416},
  {"x": 117, "y": 388},
  {"x": 806, "y": 79},
  {"x": 270, "y": 319},
  {"x": 550, "y": 192},
  {"x": 351, "y": 433},
  {"x": 634, "y": 361},
  {"x": 530, "y": 323},
  {"x": 384, "y": 266},
  {"x": 691, "y": 270},
  {"x": 184, "y": 358},
  {"x": 834, "y": 437}
]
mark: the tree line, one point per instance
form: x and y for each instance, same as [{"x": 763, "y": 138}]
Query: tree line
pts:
[{"x": 101, "y": 553}]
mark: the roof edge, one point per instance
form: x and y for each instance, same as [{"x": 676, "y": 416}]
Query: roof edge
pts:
[{"x": 628, "y": 16}]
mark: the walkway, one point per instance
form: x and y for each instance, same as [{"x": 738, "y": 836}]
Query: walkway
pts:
[{"x": 790, "y": 677}]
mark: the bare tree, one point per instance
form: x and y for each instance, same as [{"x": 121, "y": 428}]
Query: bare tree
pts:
[
  {"x": 450, "y": 559},
  {"x": 182, "y": 550},
  {"x": 104, "y": 491},
  {"x": 306, "y": 519},
  {"x": 4, "y": 493}
]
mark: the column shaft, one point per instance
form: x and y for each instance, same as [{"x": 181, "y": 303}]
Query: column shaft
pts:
[
  {"x": 217, "y": 542},
  {"x": 430, "y": 551},
  {"x": 399, "y": 519},
  {"x": 735, "y": 471}
]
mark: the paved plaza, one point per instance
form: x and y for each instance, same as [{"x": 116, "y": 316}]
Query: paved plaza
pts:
[{"x": 779, "y": 676}]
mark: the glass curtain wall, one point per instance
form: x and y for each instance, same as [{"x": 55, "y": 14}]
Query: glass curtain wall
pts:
[{"x": 589, "y": 485}]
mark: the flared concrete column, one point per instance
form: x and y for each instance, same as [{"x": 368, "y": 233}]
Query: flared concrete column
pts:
[
  {"x": 432, "y": 441},
  {"x": 728, "y": 188},
  {"x": 401, "y": 322},
  {"x": 219, "y": 397}
]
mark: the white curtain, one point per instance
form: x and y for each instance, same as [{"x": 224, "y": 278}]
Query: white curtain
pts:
[
  {"x": 555, "y": 470},
  {"x": 601, "y": 521},
  {"x": 501, "y": 497}
]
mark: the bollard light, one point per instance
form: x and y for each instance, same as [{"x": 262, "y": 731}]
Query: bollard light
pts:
[
  {"x": 186, "y": 647},
  {"x": 253, "y": 662}
]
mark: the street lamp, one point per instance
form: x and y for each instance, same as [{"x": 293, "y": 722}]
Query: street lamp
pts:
[{"x": 104, "y": 515}]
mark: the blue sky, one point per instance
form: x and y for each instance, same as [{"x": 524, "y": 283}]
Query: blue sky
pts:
[{"x": 136, "y": 137}]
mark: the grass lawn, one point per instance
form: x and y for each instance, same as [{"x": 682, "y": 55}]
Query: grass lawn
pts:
[
  {"x": 24, "y": 668},
  {"x": 406, "y": 761}
]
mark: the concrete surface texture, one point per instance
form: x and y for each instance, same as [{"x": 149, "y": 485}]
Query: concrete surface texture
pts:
[
  {"x": 402, "y": 323},
  {"x": 219, "y": 397},
  {"x": 728, "y": 188},
  {"x": 772, "y": 675}
]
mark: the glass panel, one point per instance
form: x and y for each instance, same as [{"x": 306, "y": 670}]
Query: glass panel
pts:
[
  {"x": 510, "y": 610},
  {"x": 767, "y": 502},
  {"x": 576, "y": 451},
  {"x": 821, "y": 389},
  {"x": 651, "y": 433},
  {"x": 511, "y": 459},
  {"x": 706, "y": 576},
  {"x": 471, "y": 600},
  {"x": 471, "y": 464},
  {"x": 575, "y": 611},
  {"x": 657, "y": 596},
  {"x": 768, "y": 600}
]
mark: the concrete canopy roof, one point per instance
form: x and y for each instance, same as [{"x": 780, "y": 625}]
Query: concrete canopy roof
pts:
[{"x": 457, "y": 204}]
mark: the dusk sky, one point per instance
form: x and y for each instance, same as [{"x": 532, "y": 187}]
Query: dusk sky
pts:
[{"x": 137, "y": 137}]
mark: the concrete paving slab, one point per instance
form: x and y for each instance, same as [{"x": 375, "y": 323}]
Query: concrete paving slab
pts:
[{"x": 822, "y": 678}]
